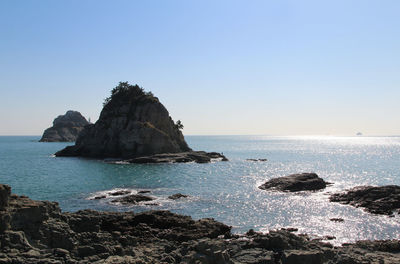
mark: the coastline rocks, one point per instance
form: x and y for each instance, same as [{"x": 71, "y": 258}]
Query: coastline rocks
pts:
[
  {"x": 66, "y": 128},
  {"x": 183, "y": 157},
  {"x": 376, "y": 200},
  {"x": 295, "y": 183},
  {"x": 132, "y": 199},
  {"x": 38, "y": 232},
  {"x": 133, "y": 123}
]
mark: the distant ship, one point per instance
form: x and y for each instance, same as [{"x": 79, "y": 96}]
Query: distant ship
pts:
[{"x": 359, "y": 134}]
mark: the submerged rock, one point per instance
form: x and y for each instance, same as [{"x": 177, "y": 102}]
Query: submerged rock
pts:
[
  {"x": 38, "y": 232},
  {"x": 295, "y": 183},
  {"x": 177, "y": 196},
  {"x": 66, "y": 128},
  {"x": 376, "y": 200}
]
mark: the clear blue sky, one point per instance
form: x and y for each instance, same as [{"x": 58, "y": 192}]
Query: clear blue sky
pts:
[{"x": 222, "y": 67}]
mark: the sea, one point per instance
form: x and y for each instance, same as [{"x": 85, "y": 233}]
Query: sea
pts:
[{"x": 225, "y": 191}]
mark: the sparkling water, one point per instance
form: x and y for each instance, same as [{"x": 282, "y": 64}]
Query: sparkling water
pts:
[{"x": 226, "y": 191}]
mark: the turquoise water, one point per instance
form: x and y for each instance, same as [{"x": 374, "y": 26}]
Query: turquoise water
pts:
[{"x": 226, "y": 191}]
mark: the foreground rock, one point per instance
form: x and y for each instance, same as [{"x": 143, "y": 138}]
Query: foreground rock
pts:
[
  {"x": 38, "y": 232},
  {"x": 376, "y": 200},
  {"x": 66, "y": 128},
  {"x": 295, "y": 183}
]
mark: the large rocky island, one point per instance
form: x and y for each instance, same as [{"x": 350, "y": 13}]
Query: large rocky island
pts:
[
  {"x": 66, "y": 128},
  {"x": 133, "y": 124},
  {"x": 38, "y": 232}
]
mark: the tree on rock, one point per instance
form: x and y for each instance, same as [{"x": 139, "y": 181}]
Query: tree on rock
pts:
[{"x": 179, "y": 124}]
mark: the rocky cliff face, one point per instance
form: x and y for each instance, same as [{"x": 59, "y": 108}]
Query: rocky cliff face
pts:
[
  {"x": 66, "y": 128},
  {"x": 133, "y": 123}
]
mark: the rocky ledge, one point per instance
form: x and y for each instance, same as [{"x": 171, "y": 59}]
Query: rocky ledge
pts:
[
  {"x": 192, "y": 156},
  {"x": 376, "y": 200},
  {"x": 66, "y": 128},
  {"x": 38, "y": 232},
  {"x": 295, "y": 183}
]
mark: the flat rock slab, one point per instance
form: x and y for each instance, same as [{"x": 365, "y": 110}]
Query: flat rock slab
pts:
[
  {"x": 132, "y": 199},
  {"x": 295, "y": 183},
  {"x": 182, "y": 157},
  {"x": 376, "y": 200}
]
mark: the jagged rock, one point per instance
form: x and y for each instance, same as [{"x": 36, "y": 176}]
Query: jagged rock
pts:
[
  {"x": 38, "y": 232},
  {"x": 376, "y": 200},
  {"x": 5, "y": 192},
  {"x": 133, "y": 124},
  {"x": 177, "y": 196},
  {"x": 295, "y": 183},
  {"x": 132, "y": 199},
  {"x": 66, "y": 128}
]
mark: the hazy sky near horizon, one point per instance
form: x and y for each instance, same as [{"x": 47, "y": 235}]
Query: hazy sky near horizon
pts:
[{"x": 222, "y": 67}]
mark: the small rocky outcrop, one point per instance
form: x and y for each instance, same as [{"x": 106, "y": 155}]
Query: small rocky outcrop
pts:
[
  {"x": 38, "y": 232},
  {"x": 376, "y": 200},
  {"x": 192, "y": 156},
  {"x": 132, "y": 199},
  {"x": 66, "y": 128},
  {"x": 177, "y": 196},
  {"x": 295, "y": 183},
  {"x": 132, "y": 124}
]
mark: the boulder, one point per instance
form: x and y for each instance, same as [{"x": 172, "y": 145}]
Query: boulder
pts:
[
  {"x": 376, "y": 200},
  {"x": 295, "y": 183},
  {"x": 66, "y": 128}
]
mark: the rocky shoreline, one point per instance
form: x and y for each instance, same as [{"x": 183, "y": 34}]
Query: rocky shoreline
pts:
[{"x": 38, "y": 232}]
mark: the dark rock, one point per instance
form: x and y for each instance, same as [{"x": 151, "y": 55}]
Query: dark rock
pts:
[
  {"x": 66, "y": 128},
  {"x": 39, "y": 233},
  {"x": 376, "y": 200},
  {"x": 295, "y": 183},
  {"x": 337, "y": 219},
  {"x": 144, "y": 191},
  {"x": 132, "y": 199},
  {"x": 99, "y": 197},
  {"x": 117, "y": 193},
  {"x": 256, "y": 159},
  {"x": 133, "y": 123},
  {"x": 5, "y": 192},
  {"x": 177, "y": 196},
  {"x": 193, "y": 156}
]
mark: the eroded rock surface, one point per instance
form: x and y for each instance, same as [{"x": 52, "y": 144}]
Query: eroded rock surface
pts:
[
  {"x": 38, "y": 232},
  {"x": 376, "y": 200},
  {"x": 295, "y": 183},
  {"x": 66, "y": 128}
]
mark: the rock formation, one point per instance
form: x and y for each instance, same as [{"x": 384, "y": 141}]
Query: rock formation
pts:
[
  {"x": 376, "y": 200},
  {"x": 295, "y": 183},
  {"x": 132, "y": 124},
  {"x": 38, "y": 232},
  {"x": 66, "y": 128}
]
